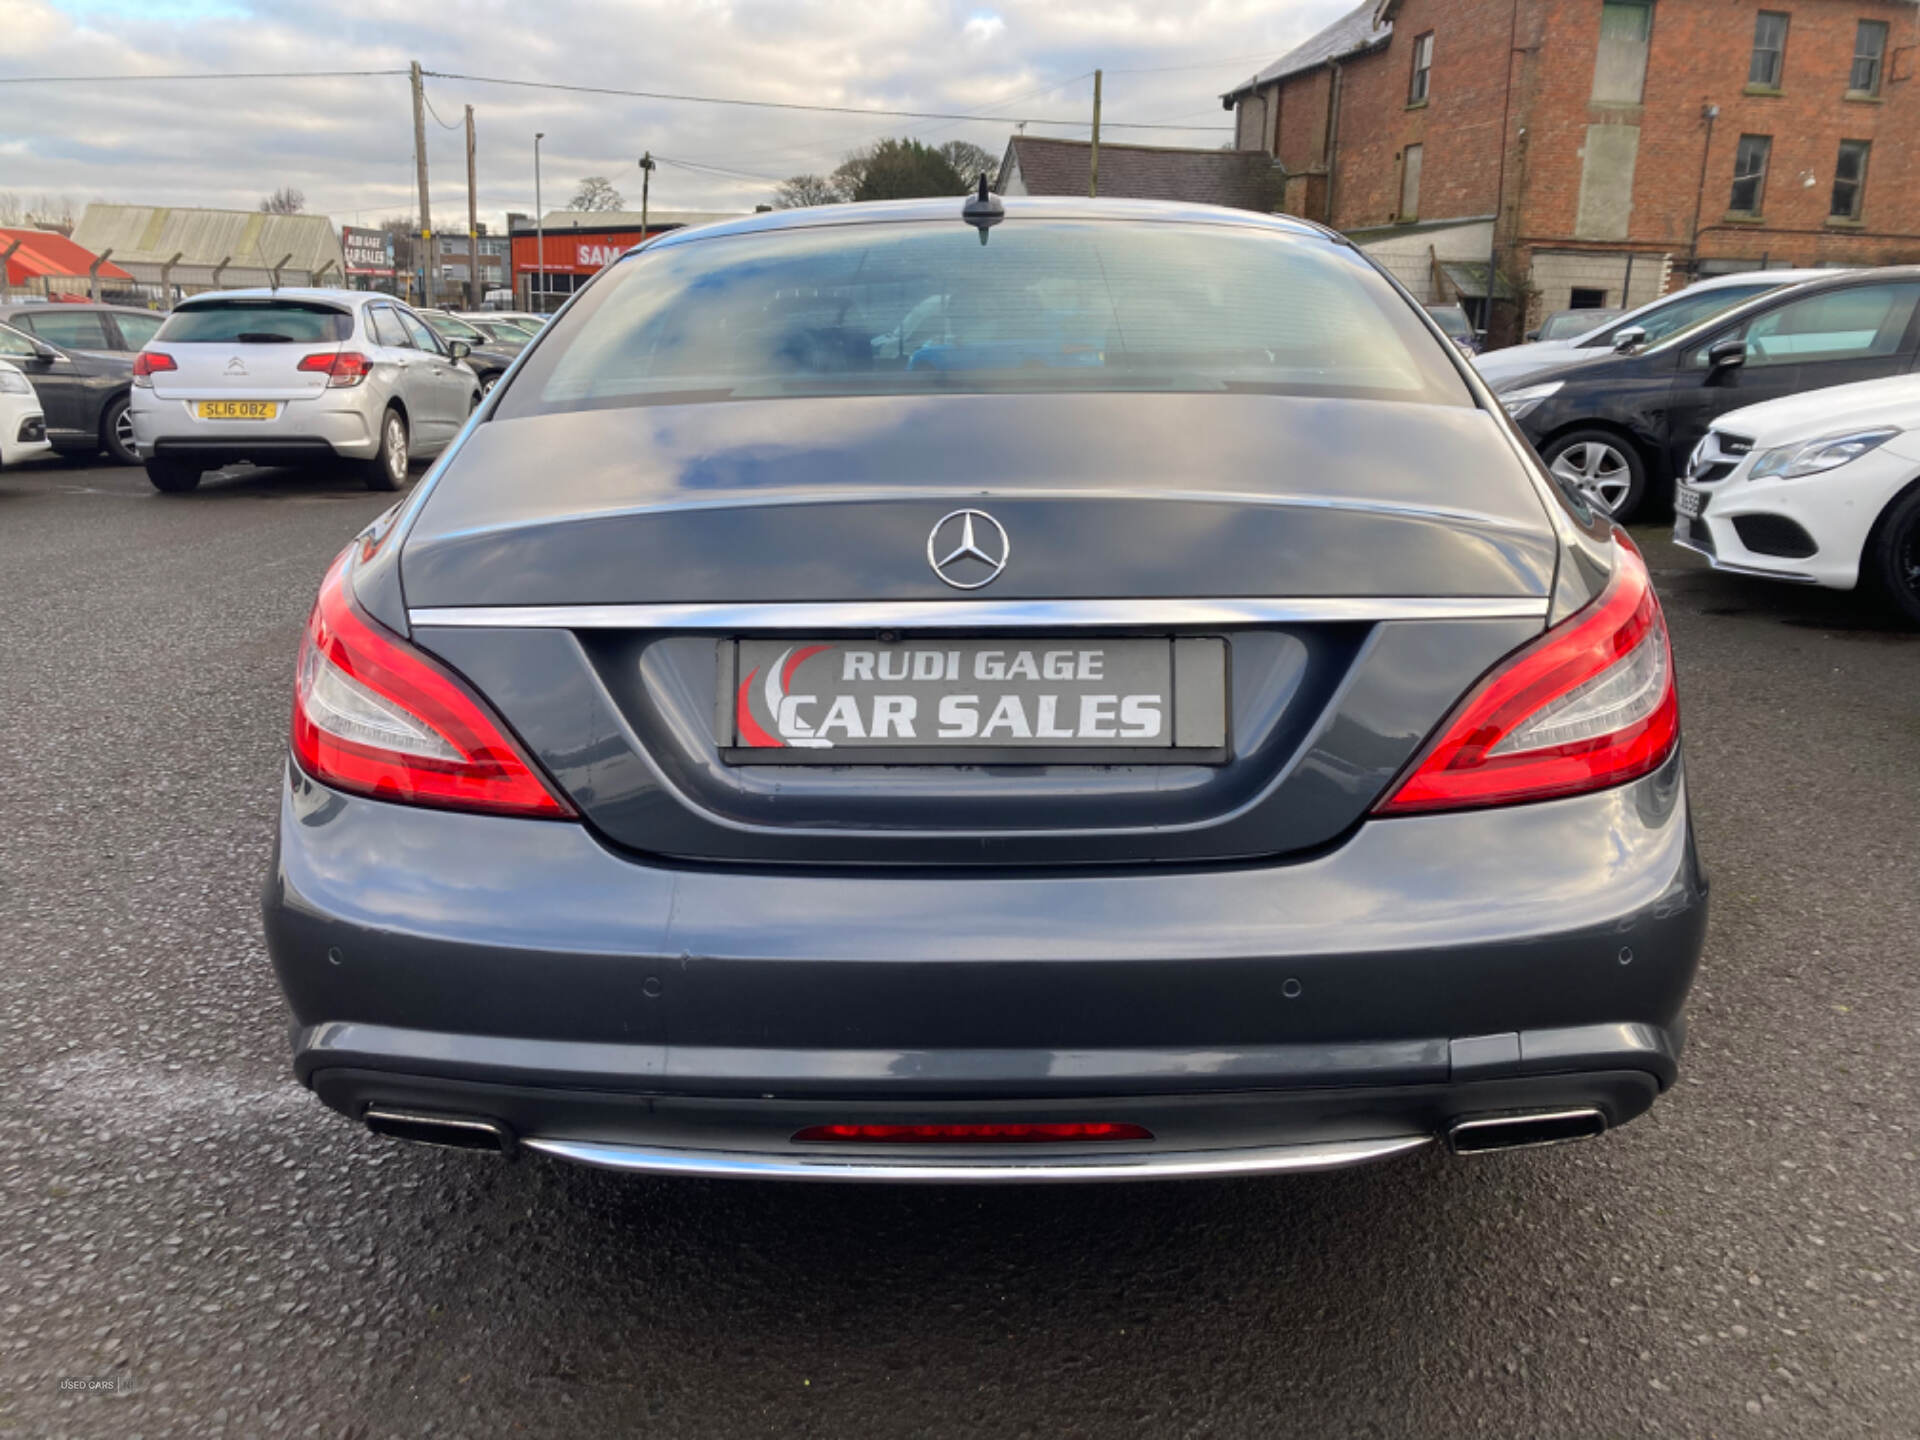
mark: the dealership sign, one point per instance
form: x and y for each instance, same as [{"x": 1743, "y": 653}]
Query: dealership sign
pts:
[
  {"x": 368, "y": 252},
  {"x": 592, "y": 257}
]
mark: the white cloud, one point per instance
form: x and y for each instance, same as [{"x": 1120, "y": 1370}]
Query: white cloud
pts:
[
  {"x": 983, "y": 28},
  {"x": 348, "y": 143}
]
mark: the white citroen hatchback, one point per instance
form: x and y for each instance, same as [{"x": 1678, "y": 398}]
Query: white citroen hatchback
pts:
[{"x": 294, "y": 377}]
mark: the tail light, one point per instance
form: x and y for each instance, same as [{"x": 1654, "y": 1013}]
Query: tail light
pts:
[
  {"x": 341, "y": 367},
  {"x": 149, "y": 363},
  {"x": 1589, "y": 704},
  {"x": 373, "y": 715},
  {"x": 981, "y": 1132}
]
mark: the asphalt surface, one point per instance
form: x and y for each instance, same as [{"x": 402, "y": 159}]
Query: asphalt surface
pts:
[{"x": 179, "y": 1219}]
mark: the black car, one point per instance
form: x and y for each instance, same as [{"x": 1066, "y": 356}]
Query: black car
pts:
[
  {"x": 862, "y": 703},
  {"x": 487, "y": 356},
  {"x": 84, "y": 394},
  {"x": 1618, "y": 428},
  {"x": 85, "y": 327}
]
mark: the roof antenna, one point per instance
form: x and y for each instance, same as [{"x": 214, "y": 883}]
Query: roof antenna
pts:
[{"x": 983, "y": 210}]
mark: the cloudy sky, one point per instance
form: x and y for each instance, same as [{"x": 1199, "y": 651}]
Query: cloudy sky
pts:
[{"x": 347, "y": 143}]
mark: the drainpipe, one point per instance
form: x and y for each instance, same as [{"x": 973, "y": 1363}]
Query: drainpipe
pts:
[
  {"x": 1334, "y": 87},
  {"x": 1709, "y": 113},
  {"x": 93, "y": 274},
  {"x": 1500, "y": 186},
  {"x": 273, "y": 271},
  {"x": 166, "y": 279}
]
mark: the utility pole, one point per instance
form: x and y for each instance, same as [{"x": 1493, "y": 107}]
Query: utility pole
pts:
[
  {"x": 420, "y": 166},
  {"x": 1093, "y": 169},
  {"x": 474, "y": 283},
  {"x": 539, "y": 229},
  {"x": 646, "y": 182}
]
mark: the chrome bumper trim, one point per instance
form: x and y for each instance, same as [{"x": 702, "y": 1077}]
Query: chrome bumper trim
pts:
[
  {"x": 1000, "y": 1169},
  {"x": 818, "y": 616},
  {"x": 1753, "y": 570}
]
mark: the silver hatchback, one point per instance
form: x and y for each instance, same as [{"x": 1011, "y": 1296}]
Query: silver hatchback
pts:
[{"x": 294, "y": 377}]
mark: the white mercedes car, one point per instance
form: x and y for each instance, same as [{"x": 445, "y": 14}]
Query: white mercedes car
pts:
[
  {"x": 23, "y": 427},
  {"x": 1821, "y": 488}
]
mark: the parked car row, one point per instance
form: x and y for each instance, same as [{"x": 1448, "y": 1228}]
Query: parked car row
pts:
[{"x": 1619, "y": 425}]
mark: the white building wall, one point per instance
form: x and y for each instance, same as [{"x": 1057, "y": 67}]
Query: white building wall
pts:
[
  {"x": 1557, "y": 273},
  {"x": 1409, "y": 254}
]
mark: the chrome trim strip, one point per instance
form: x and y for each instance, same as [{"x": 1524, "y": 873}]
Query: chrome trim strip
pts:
[
  {"x": 1750, "y": 570},
  {"x": 1000, "y": 1168},
  {"x": 818, "y": 616}
]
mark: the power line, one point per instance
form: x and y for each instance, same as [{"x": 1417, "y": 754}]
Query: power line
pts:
[
  {"x": 237, "y": 75},
  {"x": 789, "y": 104},
  {"x": 427, "y": 100},
  {"x": 717, "y": 170},
  {"x": 1219, "y": 64}
]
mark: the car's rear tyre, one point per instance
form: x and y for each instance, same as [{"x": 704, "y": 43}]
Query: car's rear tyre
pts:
[
  {"x": 1603, "y": 466},
  {"x": 171, "y": 477},
  {"x": 387, "y": 470},
  {"x": 116, "y": 433},
  {"x": 487, "y": 382},
  {"x": 1892, "y": 561}
]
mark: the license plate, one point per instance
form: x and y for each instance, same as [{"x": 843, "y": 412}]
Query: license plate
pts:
[
  {"x": 1689, "y": 502},
  {"x": 239, "y": 409},
  {"x": 948, "y": 701}
]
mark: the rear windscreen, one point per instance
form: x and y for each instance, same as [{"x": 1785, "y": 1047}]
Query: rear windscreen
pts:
[
  {"x": 257, "y": 322},
  {"x": 1044, "y": 305}
]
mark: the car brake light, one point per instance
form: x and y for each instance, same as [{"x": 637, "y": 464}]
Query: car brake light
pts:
[
  {"x": 373, "y": 715},
  {"x": 1589, "y": 704},
  {"x": 988, "y": 1132},
  {"x": 149, "y": 363},
  {"x": 342, "y": 368}
]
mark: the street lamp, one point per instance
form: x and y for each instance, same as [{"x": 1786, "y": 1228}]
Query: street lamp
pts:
[{"x": 539, "y": 224}]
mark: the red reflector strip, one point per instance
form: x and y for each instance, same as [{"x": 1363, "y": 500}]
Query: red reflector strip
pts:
[{"x": 991, "y": 1132}]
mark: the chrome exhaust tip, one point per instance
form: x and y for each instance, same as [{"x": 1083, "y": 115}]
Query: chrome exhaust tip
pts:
[
  {"x": 457, "y": 1132},
  {"x": 1519, "y": 1132}
]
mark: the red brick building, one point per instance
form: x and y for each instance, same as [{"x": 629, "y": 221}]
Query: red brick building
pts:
[{"x": 1623, "y": 144}]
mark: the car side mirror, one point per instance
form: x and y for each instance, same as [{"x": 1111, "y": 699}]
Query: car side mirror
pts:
[
  {"x": 1631, "y": 338},
  {"x": 44, "y": 353},
  {"x": 1725, "y": 354},
  {"x": 1532, "y": 336},
  {"x": 459, "y": 349}
]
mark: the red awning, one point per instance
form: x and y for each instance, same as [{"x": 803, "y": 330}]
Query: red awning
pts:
[{"x": 44, "y": 254}]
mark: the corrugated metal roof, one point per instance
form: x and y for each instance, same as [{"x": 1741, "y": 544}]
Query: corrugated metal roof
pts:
[
  {"x": 1352, "y": 34},
  {"x": 143, "y": 236}
]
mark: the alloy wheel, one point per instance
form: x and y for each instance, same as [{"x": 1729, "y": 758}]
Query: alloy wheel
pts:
[
  {"x": 1598, "y": 471},
  {"x": 123, "y": 430},
  {"x": 396, "y": 447}
]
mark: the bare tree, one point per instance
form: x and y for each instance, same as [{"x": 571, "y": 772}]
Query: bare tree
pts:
[
  {"x": 970, "y": 161},
  {"x": 284, "y": 201},
  {"x": 802, "y": 190},
  {"x": 50, "y": 212},
  {"x": 596, "y": 192}
]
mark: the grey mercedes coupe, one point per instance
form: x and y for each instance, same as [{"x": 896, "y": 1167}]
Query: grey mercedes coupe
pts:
[{"x": 965, "y": 690}]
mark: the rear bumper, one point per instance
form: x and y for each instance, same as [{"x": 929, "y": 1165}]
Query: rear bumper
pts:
[
  {"x": 304, "y": 431},
  {"x": 1324, "y": 1011}
]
